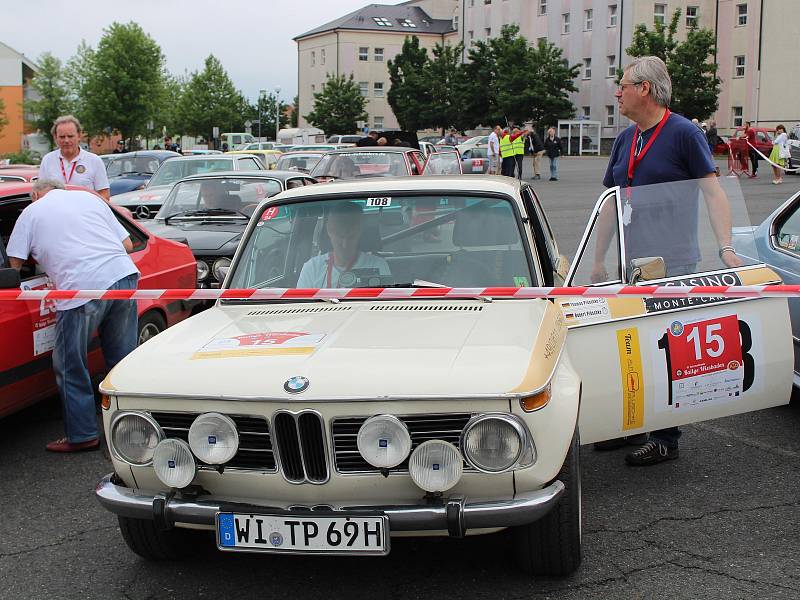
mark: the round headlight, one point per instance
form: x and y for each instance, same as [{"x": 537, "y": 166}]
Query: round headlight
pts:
[
  {"x": 435, "y": 466},
  {"x": 493, "y": 443},
  {"x": 202, "y": 270},
  {"x": 213, "y": 438},
  {"x": 134, "y": 437},
  {"x": 219, "y": 264},
  {"x": 384, "y": 441},
  {"x": 174, "y": 463}
]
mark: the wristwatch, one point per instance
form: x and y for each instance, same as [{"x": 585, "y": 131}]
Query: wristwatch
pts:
[{"x": 725, "y": 249}]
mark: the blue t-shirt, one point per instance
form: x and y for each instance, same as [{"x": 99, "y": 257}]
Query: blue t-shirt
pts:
[{"x": 664, "y": 223}]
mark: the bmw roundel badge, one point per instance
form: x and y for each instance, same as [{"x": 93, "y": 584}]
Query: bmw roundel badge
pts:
[{"x": 296, "y": 384}]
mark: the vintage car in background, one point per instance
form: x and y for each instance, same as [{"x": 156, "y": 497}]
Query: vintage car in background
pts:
[
  {"x": 209, "y": 213},
  {"x": 371, "y": 161},
  {"x": 298, "y": 161},
  {"x": 27, "y": 329},
  {"x": 131, "y": 171},
  {"x": 18, "y": 173},
  {"x": 739, "y": 147},
  {"x": 268, "y": 157},
  {"x": 475, "y": 159},
  {"x": 327, "y": 420},
  {"x": 350, "y": 140},
  {"x": 145, "y": 203}
]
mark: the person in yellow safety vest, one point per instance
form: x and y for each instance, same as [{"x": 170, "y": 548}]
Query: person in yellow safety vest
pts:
[
  {"x": 518, "y": 145},
  {"x": 506, "y": 153}
]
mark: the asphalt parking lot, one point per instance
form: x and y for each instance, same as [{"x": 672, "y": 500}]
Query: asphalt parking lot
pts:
[{"x": 721, "y": 522}]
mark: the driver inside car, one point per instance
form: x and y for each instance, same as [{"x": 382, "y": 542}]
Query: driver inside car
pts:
[
  {"x": 214, "y": 196},
  {"x": 344, "y": 228}
]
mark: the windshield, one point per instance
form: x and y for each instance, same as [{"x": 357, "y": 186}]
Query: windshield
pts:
[
  {"x": 233, "y": 197},
  {"x": 455, "y": 240},
  {"x": 443, "y": 163},
  {"x": 348, "y": 165},
  {"x": 145, "y": 165},
  {"x": 173, "y": 170},
  {"x": 298, "y": 162}
]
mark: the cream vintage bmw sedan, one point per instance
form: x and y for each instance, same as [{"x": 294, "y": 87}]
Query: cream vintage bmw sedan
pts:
[{"x": 317, "y": 425}]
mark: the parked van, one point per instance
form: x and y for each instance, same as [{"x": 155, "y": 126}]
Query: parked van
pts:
[
  {"x": 235, "y": 139},
  {"x": 301, "y": 135}
]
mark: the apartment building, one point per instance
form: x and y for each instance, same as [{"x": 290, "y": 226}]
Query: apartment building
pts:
[
  {"x": 361, "y": 43},
  {"x": 16, "y": 71}
]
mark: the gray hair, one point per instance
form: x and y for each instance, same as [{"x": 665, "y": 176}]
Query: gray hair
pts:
[
  {"x": 65, "y": 119},
  {"x": 653, "y": 70},
  {"x": 45, "y": 185}
]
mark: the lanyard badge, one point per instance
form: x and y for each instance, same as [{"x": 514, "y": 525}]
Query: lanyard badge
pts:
[{"x": 637, "y": 153}]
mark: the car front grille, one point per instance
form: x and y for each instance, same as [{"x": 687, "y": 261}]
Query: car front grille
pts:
[
  {"x": 447, "y": 427},
  {"x": 300, "y": 438},
  {"x": 255, "y": 442}
]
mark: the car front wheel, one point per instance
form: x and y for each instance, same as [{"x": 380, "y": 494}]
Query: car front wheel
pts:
[
  {"x": 551, "y": 546},
  {"x": 150, "y": 325}
]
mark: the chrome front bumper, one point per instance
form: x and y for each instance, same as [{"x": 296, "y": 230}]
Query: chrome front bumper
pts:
[{"x": 455, "y": 515}]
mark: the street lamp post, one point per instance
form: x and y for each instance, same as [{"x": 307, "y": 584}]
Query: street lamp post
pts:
[
  {"x": 261, "y": 94},
  {"x": 277, "y": 113}
]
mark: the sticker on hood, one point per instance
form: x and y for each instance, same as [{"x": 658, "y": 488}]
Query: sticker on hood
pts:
[{"x": 261, "y": 344}]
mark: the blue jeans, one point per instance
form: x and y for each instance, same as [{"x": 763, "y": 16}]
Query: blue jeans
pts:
[
  {"x": 554, "y": 167},
  {"x": 117, "y": 323}
]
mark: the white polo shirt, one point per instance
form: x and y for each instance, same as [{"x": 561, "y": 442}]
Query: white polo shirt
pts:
[
  {"x": 314, "y": 273},
  {"x": 85, "y": 170},
  {"x": 76, "y": 239},
  {"x": 494, "y": 144}
]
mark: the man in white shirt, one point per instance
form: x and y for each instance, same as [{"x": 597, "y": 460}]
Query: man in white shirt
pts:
[
  {"x": 75, "y": 237},
  {"x": 343, "y": 227},
  {"x": 494, "y": 151},
  {"x": 70, "y": 164}
]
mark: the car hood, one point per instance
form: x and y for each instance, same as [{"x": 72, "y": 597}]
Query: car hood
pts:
[
  {"x": 441, "y": 348},
  {"x": 149, "y": 196},
  {"x": 199, "y": 235},
  {"x": 120, "y": 185}
]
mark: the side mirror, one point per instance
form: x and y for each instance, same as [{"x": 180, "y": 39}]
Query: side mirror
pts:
[
  {"x": 647, "y": 269},
  {"x": 9, "y": 279}
]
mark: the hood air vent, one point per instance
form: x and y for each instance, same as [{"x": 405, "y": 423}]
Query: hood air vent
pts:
[
  {"x": 295, "y": 311},
  {"x": 429, "y": 307}
]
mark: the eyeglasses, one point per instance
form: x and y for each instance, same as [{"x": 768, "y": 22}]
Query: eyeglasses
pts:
[{"x": 621, "y": 86}]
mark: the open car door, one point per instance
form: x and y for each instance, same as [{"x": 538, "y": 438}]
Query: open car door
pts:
[
  {"x": 447, "y": 162},
  {"x": 652, "y": 363}
]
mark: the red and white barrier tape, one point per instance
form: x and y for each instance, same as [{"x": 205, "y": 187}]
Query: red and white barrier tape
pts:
[
  {"x": 766, "y": 158},
  {"x": 610, "y": 291}
]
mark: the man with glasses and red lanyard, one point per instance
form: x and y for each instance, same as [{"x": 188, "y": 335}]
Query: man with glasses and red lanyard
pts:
[
  {"x": 343, "y": 226},
  {"x": 660, "y": 147},
  {"x": 71, "y": 164}
]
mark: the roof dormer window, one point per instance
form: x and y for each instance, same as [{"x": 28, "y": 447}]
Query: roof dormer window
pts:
[
  {"x": 382, "y": 22},
  {"x": 407, "y": 23}
]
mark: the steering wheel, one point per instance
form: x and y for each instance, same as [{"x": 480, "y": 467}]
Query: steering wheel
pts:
[{"x": 482, "y": 271}]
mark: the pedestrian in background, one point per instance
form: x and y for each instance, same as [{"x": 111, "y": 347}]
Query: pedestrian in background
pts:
[
  {"x": 518, "y": 144},
  {"x": 537, "y": 149},
  {"x": 493, "y": 151},
  {"x": 507, "y": 151},
  {"x": 749, "y": 134},
  {"x": 780, "y": 152},
  {"x": 553, "y": 149},
  {"x": 78, "y": 241},
  {"x": 71, "y": 164},
  {"x": 371, "y": 139},
  {"x": 450, "y": 139},
  {"x": 120, "y": 149},
  {"x": 711, "y": 136}
]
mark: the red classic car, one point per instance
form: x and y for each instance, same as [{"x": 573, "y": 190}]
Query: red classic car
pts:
[
  {"x": 764, "y": 139},
  {"x": 17, "y": 173},
  {"x": 27, "y": 329}
]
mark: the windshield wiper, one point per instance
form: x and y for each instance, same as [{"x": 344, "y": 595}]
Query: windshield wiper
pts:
[
  {"x": 205, "y": 212},
  {"x": 417, "y": 283},
  {"x": 134, "y": 173}
]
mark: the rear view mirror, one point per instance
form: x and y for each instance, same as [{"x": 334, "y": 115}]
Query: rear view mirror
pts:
[
  {"x": 9, "y": 279},
  {"x": 647, "y": 269}
]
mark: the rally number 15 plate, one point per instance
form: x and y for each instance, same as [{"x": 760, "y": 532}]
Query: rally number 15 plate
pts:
[{"x": 303, "y": 533}]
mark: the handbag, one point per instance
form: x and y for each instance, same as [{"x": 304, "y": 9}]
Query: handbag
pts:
[{"x": 784, "y": 150}]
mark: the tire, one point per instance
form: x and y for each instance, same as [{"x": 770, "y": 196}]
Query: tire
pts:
[
  {"x": 551, "y": 546},
  {"x": 150, "y": 325},
  {"x": 148, "y": 542}
]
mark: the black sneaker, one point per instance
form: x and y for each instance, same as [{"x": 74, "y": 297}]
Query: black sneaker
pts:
[
  {"x": 537, "y": 176},
  {"x": 630, "y": 440},
  {"x": 650, "y": 454}
]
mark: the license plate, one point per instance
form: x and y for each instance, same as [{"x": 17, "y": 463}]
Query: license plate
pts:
[{"x": 303, "y": 533}]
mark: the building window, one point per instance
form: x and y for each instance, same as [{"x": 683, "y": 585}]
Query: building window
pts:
[
  {"x": 741, "y": 14},
  {"x": 565, "y": 23},
  {"x": 488, "y": 32},
  {"x": 691, "y": 16},
  {"x": 313, "y": 88},
  {"x": 377, "y": 89},
  {"x": 609, "y": 115},
  {"x": 377, "y": 122},
  {"x": 363, "y": 53},
  {"x": 612, "y": 66},
  {"x": 487, "y": 1},
  {"x": 542, "y": 7},
  {"x": 378, "y": 54},
  {"x": 612, "y": 15},
  {"x": 587, "y": 112},
  {"x": 455, "y": 22},
  {"x": 471, "y": 3},
  {"x": 588, "y": 17},
  {"x": 471, "y": 37},
  {"x": 407, "y": 23},
  {"x": 738, "y": 116},
  {"x": 363, "y": 87},
  {"x": 313, "y": 58},
  {"x": 660, "y": 13},
  {"x": 738, "y": 66},
  {"x": 587, "y": 68},
  {"x": 322, "y": 56},
  {"x": 382, "y": 22}
]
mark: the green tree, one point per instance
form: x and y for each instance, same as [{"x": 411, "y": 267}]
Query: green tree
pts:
[
  {"x": 516, "y": 89},
  {"x": 443, "y": 73},
  {"x": 265, "y": 107},
  {"x": 210, "y": 100},
  {"x": 409, "y": 90},
  {"x": 477, "y": 88},
  {"x": 295, "y": 108},
  {"x": 695, "y": 84},
  {"x": 76, "y": 73},
  {"x": 51, "y": 87},
  {"x": 124, "y": 81},
  {"x": 338, "y": 107},
  {"x": 552, "y": 80}
]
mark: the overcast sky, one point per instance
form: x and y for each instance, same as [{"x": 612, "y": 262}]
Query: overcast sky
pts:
[{"x": 252, "y": 39}]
